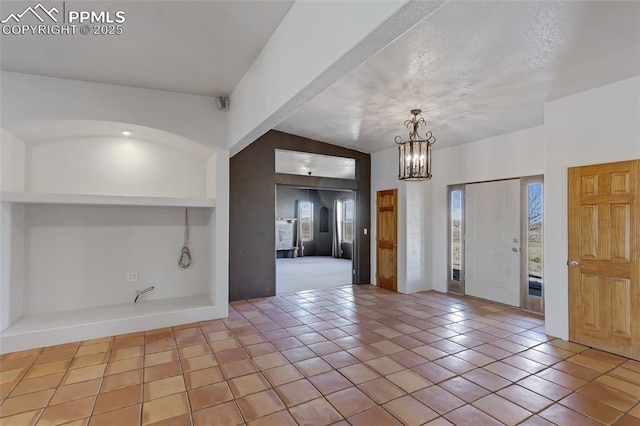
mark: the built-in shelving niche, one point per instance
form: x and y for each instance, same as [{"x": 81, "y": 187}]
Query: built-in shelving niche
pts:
[{"x": 70, "y": 236}]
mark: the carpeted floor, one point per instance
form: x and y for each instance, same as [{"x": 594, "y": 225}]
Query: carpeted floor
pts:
[{"x": 311, "y": 273}]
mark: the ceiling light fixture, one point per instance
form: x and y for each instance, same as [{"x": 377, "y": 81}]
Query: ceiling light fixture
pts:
[
  {"x": 127, "y": 132},
  {"x": 414, "y": 154}
]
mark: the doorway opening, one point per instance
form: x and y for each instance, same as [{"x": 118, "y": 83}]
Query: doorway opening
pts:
[
  {"x": 495, "y": 246},
  {"x": 315, "y": 238}
]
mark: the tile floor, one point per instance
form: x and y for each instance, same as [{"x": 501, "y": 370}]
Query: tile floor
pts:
[{"x": 350, "y": 355}]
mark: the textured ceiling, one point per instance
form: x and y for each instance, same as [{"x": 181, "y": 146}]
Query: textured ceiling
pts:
[
  {"x": 476, "y": 69},
  {"x": 307, "y": 164},
  {"x": 198, "y": 47}
]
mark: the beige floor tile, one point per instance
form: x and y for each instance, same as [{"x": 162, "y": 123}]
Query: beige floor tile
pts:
[
  {"x": 34, "y": 385},
  {"x": 313, "y": 367},
  {"x": 350, "y": 401},
  {"x": 108, "y": 401},
  {"x": 377, "y": 416},
  {"x": 501, "y": 409},
  {"x": 410, "y": 411},
  {"x": 381, "y": 390},
  {"x": 124, "y": 365},
  {"x": 238, "y": 368},
  {"x": 89, "y": 360},
  {"x": 66, "y": 412},
  {"x": 164, "y": 408},
  {"x": 128, "y": 416},
  {"x": 204, "y": 377},
  {"x": 438, "y": 399},
  {"x": 121, "y": 380},
  {"x": 259, "y": 404},
  {"x": 199, "y": 362},
  {"x": 24, "y": 419},
  {"x": 408, "y": 381},
  {"x": 161, "y": 358},
  {"x": 359, "y": 373},
  {"x": 40, "y": 370},
  {"x": 283, "y": 374},
  {"x": 75, "y": 391},
  {"x": 24, "y": 403},
  {"x": 385, "y": 365},
  {"x": 83, "y": 374},
  {"x": 265, "y": 362},
  {"x": 219, "y": 415},
  {"x": 377, "y": 357},
  {"x": 281, "y": 418},
  {"x": 317, "y": 412},
  {"x": 245, "y": 385},
  {"x": 468, "y": 415},
  {"x": 561, "y": 415},
  {"x": 164, "y": 387},
  {"x": 210, "y": 395},
  {"x": 297, "y": 392},
  {"x": 330, "y": 382}
]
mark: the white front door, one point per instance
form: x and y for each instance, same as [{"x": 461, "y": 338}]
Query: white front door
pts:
[{"x": 492, "y": 245}]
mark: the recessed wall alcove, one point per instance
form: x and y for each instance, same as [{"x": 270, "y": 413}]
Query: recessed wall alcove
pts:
[{"x": 84, "y": 207}]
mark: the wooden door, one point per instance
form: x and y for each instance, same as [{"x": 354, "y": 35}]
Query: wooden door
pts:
[
  {"x": 387, "y": 239},
  {"x": 492, "y": 241},
  {"x": 604, "y": 257}
]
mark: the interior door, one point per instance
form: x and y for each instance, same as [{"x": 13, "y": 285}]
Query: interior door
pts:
[
  {"x": 492, "y": 218},
  {"x": 387, "y": 239},
  {"x": 604, "y": 259}
]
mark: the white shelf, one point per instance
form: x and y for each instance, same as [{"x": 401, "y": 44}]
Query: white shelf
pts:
[
  {"x": 104, "y": 200},
  {"x": 31, "y": 331}
]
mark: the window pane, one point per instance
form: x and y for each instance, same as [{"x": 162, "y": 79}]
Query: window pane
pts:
[
  {"x": 455, "y": 232},
  {"x": 534, "y": 237},
  {"x": 306, "y": 220},
  {"x": 348, "y": 210},
  {"x": 347, "y": 221},
  {"x": 348, "y": 231}
]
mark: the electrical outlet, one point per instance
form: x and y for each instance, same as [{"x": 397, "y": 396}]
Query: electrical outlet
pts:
[{"x": 132, "y": 276}]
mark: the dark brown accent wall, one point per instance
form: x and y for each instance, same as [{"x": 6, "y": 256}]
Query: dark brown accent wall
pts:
[{"x": 252, "y": 208}]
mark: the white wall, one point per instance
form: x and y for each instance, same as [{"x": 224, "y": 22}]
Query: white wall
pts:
[
  {"x": 12, "y": 162},
  {"x": 511, "y": 155},
  {"x": 597, "y": 126},
  {"x": 116, "y": 166},
  {"x": 34, "y": 98},
  {"x": 414, "y": 211},
  {"x": 12, "y": 243},
  {"x": 79, "y": 256}
]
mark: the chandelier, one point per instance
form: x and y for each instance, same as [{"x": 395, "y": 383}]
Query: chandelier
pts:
[{"x": 414, "y": 154}]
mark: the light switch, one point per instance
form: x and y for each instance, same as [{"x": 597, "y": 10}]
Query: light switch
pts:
[{"x": 365, "y": 231}]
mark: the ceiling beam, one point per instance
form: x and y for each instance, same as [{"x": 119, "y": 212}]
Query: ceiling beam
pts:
[{"x": 317, "y": 43}]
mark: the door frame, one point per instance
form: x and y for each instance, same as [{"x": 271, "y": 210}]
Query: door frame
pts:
[
  {"x": 455, "y": 286},
  {"x": 459, "y": 288},
  {"x": 355, "y": 194},
  {"x": 393, "y": 191},
  {"x": 593, "y": 265},
  {"x": 525, "y": 298}
]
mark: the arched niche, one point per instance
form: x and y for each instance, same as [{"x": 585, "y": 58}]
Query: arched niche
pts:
[{"x": 95, "y": 157}]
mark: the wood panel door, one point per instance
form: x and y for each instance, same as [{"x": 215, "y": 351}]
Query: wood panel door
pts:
[
  {"x": 604, "y": 258},
  {"x": 387, "y": 239}
]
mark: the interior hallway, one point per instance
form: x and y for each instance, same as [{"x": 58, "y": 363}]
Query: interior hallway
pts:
[
  {"x": 358, "y": 353},
  {"x": 311, "y": 273}
]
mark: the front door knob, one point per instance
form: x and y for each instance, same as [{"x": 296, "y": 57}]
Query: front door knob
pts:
[{"x": 575, "y": 264}]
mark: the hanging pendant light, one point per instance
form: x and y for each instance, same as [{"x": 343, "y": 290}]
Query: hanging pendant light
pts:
[{"x": 414, "y": 154}]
